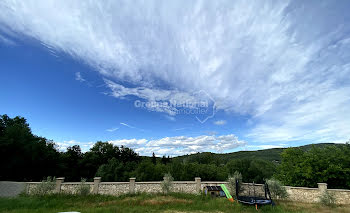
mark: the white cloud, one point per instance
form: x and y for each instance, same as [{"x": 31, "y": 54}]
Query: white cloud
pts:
[
  {"x": 112, "y": 129},
  {"x": 220, "y": 122},
  {"x": 129, "y": 142},
  {"x": 170, "y": 118},
  {"x": 127, "y": 125},
  {"x": 287, "y": 71},
  {"x": 85, "y": 146},
  {"x": 259, "y": 147},
  {"x": 155, "y": 98},
  {"x": 78, "y": 77},
  {"x": 181, "y": 145},
  {"x": 132, "y": 127},
  {"x": 179, "y": 129}
]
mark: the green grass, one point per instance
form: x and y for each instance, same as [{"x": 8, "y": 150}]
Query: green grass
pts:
[{"x": 143, "y": 203}]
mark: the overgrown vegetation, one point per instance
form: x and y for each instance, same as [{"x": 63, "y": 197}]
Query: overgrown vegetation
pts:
[
  {"x": 276, "y": 188},
  {"x": 173, "y": 202},
  {"x": 327, "y": 199},
  {"x": 167, "y": 183},
  {"x": 84, "y": 189},
  {"x": 45, "y": 187},
  {"x": 231, "y": 182}
]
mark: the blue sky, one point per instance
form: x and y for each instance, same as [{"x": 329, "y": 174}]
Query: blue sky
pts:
[{"x": 178, "y": 78}]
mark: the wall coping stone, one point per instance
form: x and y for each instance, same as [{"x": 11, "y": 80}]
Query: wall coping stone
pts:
[
  {"x": 339, "y": 190},
  {"x": 214, "y": 182},
  {"x": 297, "y": 187},
  {"x": 107, "y": 183},
  {"x": 76, "y": 183}
]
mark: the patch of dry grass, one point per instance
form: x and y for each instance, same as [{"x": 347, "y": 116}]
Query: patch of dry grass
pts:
[{"x": 313, "y": 207}]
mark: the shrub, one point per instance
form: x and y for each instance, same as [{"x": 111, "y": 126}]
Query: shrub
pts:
[
  {"x": 232, "y": 182},
  {"x": 84, "y": 189},
  {"x": 45, "y": 187},
  {"x": 327, "y": 199},
  {"x": 167, "y": 183},
  {"x": 277, "y": 190}
]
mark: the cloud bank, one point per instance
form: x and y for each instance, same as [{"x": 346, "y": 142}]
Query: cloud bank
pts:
[
  {"x": 181, "y": 145},
  {"x": 285, "y": 68}
]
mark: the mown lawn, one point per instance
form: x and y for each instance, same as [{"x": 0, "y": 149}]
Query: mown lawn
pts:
[{"x": 146, "y": 203}]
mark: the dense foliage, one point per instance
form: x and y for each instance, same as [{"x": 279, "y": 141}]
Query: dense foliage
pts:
[
  {"x": 329, "y": 164},
  {"x": 24, "y": 156},
  {"x": 27, "y": 157}
]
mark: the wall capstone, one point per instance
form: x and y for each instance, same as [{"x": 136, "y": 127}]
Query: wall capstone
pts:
[
  {"x": 97, "y": 181},
  {"x": 198, "y": 184},
  {"x": 132, "y": 185},
  {"x": 59, "y": 182},
  {"x": 322, "y": 187}
]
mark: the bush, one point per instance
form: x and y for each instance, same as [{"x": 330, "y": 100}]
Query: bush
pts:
[
  {"x": 327, "y": 199},
  {"x": 232, "y": 182},
  {"x": 167, "y": 183},
  {"x": 276, "y": 188},
  {"x": 84, "y": 189},
  {"x": 45, "y": 187}
]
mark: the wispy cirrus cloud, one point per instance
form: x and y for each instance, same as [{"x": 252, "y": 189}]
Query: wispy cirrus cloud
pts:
[
  {"x": 127, "y": 125},
  {"x": 112, "y": 129},
  {"x": 79, "y": 77},
  {"x": 287, "y": 70},
  {"x": 6, "y": 41}
]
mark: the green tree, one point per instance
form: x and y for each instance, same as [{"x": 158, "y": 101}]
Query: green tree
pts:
[
  {"x": 112, "y": 171},
  {"x": 154, "y": 159},
  {"x": 27, "y": 156},
  {"x": 328, "y": 164},
  {"x": 72, "y": 163}
]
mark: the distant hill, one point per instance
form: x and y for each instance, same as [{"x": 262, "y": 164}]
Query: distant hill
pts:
[{"x": 273, "y": 155}]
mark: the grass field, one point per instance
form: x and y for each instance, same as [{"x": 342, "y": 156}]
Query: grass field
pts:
[{"x": 146, "y": 203}]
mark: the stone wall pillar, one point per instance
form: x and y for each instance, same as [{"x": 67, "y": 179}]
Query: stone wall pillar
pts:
[
  {"x": 198, "y": 184},
  {"x": 97, "y": 181},
  {"x": 59, "y": 182},
  {"x": 132, "y": 185},
  {"x": 322, "y": 187}
]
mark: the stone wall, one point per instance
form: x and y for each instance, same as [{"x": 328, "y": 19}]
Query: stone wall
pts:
[
  {"x": 113, "y": 188},
  {"x": 341, "y": 196},
  {"x": 306, "y": 195},
  {"x": 30, "y": 187},
  {"x": 185, "y": 187},
  {"x": 73, "y": 187},
  {"x": 300, "y": 194}
]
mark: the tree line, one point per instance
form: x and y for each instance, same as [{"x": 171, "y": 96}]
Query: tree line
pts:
[{"x": 27, "y": 157}]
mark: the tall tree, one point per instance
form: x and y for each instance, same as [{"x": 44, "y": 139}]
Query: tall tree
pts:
[
  {"x": 24, "y": 156},
  {"x": 154, "y": 159}
]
